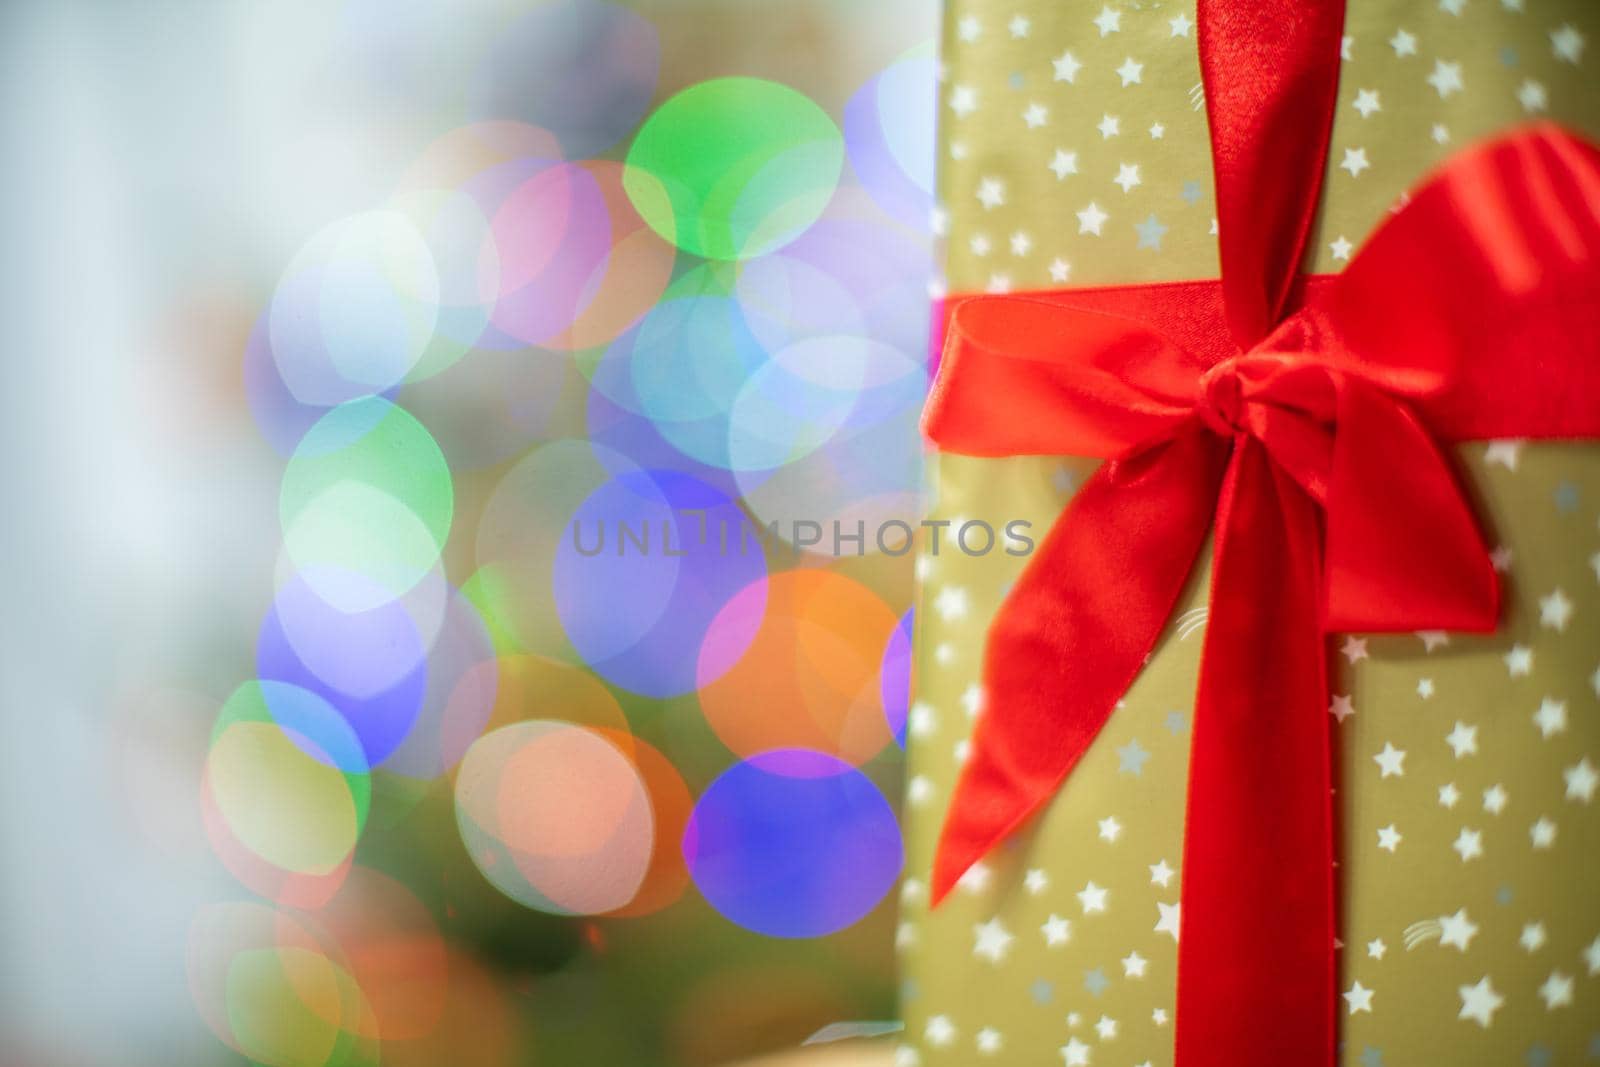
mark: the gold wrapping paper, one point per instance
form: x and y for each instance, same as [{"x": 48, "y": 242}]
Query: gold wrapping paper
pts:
[{"x": 1074, "y": 152}]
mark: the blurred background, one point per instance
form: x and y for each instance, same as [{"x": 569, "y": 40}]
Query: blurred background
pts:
[{"x": 328, "y": 327}]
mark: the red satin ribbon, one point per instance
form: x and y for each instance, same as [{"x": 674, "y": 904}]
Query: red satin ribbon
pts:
[{"x": 1314, "y": 446}]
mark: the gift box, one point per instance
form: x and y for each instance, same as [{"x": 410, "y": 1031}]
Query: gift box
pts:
[{"x": 1373, "y": 848}]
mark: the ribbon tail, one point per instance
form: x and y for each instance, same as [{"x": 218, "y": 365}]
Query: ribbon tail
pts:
[
  {"x": 1073, "y": 633},
  {"x": 1255, "y": 955}
]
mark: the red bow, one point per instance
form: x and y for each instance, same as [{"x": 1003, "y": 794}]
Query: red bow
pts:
[{"x": 1472, "y": 313}]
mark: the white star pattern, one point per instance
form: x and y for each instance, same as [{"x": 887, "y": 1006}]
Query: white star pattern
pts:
[
  {"x": 1505, "y": 453},
  {"x": 919, "y": 790},
  {"x": 1432, "y": 639},
  {"x": 1066, "y": 67},
  {"x": 1463, "y": 740},
  {"x": 991, "y": 940},
  {"x": 989, "y": 1041},
  {"x": 1457, "y": 930},
  {"x": 1091, "y": 219},
  {"x": 1358, "y": 998},
  {"x": 1566, "y": 43},
  {"x": 1581, "y": 780},
  {"x": 951, "y": 603},
  {"x": 1533, "y": 96},
  {"x": 1169, "y": 920},
  {"x": 1479, "y": 1002},
  {"x": 1494, "y": 799},
  {"x": 1555, "y": 610},
  {"x": 1390, "y": 761},
  {"x": 976, "y": 880},
  {"x": 1093, "y": 899},
  {"x": 1468, "y": 844},
  {"x": 1551, "y": 718},
  {"x": 1446, "y": 78},
  {"x": 1556, "y": 992},
  {"x": 1591, "y": 956}
]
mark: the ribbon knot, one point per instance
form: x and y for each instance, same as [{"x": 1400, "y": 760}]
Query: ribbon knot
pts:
[{"x": 1222, "y": 398}]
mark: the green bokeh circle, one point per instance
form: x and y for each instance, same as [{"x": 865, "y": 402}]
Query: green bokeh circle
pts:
[
  {"x": 367, "y": 492},
  {"x": 734, "y": 167}
]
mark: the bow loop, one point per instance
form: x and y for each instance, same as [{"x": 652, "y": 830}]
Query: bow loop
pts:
[
  {"x": 1022, "y": 376},
  {"x": 1403, "y": 551}
]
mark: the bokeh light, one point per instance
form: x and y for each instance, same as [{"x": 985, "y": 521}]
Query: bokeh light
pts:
[
  {"x": 793, "y": 843},
  {"x": 355, "y": 309},
  {"x": 896, "y": 678},
  {"x": 556, "y": 817},
  {"x": 795, "y": 661},
  {"x": 367, "y": 494},
  {"x": 285, "y": 792},
  {"x": 890, "y": 140},
  {"x": 734, "y": 167},
  {"x": 673, "y": 588}
]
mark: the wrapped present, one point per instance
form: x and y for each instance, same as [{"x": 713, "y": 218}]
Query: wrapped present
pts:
[{"x": 1279, "y": 324}]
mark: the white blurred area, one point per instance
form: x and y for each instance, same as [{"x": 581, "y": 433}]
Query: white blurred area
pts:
[{"x": 162, "y": 161}]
